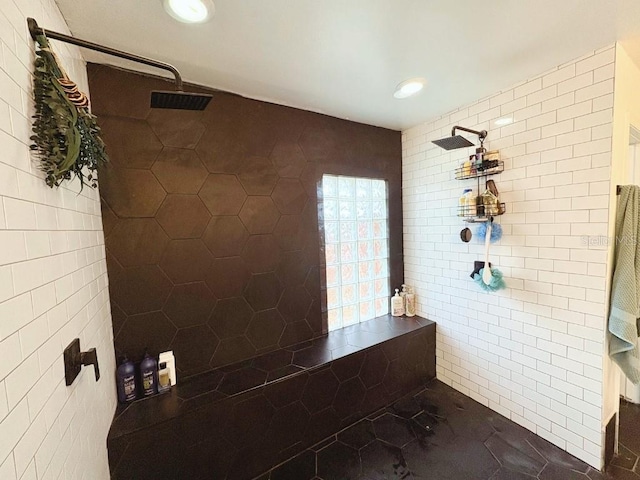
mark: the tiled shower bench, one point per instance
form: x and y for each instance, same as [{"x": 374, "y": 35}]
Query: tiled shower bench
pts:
[{"x": 241, "y": 420}]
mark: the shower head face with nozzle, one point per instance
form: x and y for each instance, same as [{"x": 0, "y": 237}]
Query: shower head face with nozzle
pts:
[
  {"x": 454, "y": 142},
  {"x": 180, "y": 100}
]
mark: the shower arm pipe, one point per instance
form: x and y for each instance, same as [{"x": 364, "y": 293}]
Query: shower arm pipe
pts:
[
  {"x": 35, "y": 31},
  {"x": 481, "y": 134}
]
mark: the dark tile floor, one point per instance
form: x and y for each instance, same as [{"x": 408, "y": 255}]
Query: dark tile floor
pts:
[
  {"x": 437, "y": 434},
  {"x": 625, "y": 465}
]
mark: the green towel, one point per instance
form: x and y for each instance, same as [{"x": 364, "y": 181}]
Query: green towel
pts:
[{"x": 625, "y": 290}]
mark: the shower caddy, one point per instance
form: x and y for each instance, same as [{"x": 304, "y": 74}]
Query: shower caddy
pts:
[{"x": 470, "y": 213}]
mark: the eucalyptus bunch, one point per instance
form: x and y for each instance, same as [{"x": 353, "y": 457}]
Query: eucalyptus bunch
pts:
[{"x": 66, "y": 136}]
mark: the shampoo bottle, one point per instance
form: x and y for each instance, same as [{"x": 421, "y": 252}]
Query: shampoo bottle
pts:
[
  {"x": 148, "y": 374},
  {"x": 410, "y": 303},
  {"x": 126, "y": 378},
  {"x": 397, "y": 307},
  {"x": 403, "y": 295}
]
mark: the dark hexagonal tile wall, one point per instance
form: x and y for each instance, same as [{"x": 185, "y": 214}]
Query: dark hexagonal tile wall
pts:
[
  {"x": 220, "y": 148},
  {"x": 225, "y": 236},
  {"x": 259, "y": 215},
  {"x": 137, "y": 241},
  {"x": 179, "y": 170},
  {"x": 223, "y": 194},
  {"x": 154, "y": 327},
  {"x": 252, "y": 418},
  {"x": 230, "y": 317},
  {"x": 263, "y": 291},
  {"x": 348, "y": 398},
  {"x": 294, "y": 304},
  {"x": 320, "y": 390},
  {"x": 265, "y": 329},
  {"x": 239, "y": 178},
  {"x": 176, "y": 128},
  {"x": 288, "y": 426},
  {"x": 288, "y": 159},
  {"x": 140, "y": 289},
  {"x": 186, "y": 261},
  {"x": 227, "y": 277},
  {"x": 193, "y": 347},
  {"x": 189, "y": 304},
  {"x": 288, "y": 232},
  {"x": 231, "y": 350},
  {"x": 257, "y": 176},
  {"x": 293, "y": 268},
  {"x": 130, "y": 192},
  {"x": 183, "y": 216},
  {"x": 109, "y": 219},
  {"x": 130, "y": 142},
  {"x": 261, "y": 253},
  {"x": 289, "y": 196}
]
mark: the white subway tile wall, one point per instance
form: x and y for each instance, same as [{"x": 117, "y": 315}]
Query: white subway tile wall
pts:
[
  {"x": 532, "y": 352},
  {"x": 53, "y": 284}
]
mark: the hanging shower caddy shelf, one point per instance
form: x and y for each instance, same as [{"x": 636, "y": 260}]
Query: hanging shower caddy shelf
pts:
[
  {"x": 480, "y": 213},
  {"x": 493, "y": 167}
]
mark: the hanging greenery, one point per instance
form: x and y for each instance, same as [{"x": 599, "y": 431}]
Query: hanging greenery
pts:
[{"x": 65, "y": 136}]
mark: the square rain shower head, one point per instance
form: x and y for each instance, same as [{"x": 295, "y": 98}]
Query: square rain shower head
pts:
[{"x": 453, "y": 142}]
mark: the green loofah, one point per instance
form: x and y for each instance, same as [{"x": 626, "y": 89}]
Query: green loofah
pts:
[{"x": 497, "y": 282}]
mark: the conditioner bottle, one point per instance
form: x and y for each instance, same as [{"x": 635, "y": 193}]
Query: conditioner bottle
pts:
[
  {"x": 126, "y": 381},
  {"x": 410, "y": 302},
  {"x": 149, "y": 375}
]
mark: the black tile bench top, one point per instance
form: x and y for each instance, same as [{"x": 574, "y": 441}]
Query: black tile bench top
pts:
[{"x": 231, "y": 380}]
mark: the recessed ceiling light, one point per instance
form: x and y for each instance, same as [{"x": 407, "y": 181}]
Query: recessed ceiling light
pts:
[
  {"x": 504, "y": 121},
  {"x": 410, "y": 87},
  {"x": 190, "y": 11}
]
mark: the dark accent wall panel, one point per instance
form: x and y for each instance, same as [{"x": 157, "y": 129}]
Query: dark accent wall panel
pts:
[{"x": 211, "y": 218}]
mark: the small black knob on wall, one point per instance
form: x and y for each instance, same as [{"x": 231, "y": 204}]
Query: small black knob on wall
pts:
[{"x": 74, "y": 359}]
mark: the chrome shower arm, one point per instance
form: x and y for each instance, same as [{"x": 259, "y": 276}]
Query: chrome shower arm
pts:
[{"x": 35, "y": 31}]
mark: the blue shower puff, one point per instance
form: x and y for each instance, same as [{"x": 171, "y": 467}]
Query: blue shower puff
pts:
[
  {"x": 497, "y": 282},
  {"x": 496, "y": 232}
]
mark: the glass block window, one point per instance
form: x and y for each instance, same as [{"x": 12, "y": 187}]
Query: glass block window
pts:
[{"x": 356, "y": 241}]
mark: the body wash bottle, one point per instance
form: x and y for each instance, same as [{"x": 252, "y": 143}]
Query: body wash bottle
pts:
[
  {"x": 126, "y": 378},
  {"x": 164, "y": 380},
  {"x": 397, "y": 305},
  {"x": 149, "y": 375},
  {"x": 410, "y": 303}
]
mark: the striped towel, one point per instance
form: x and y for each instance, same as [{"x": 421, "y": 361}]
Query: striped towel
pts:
[{"x": 625, "y": 290}]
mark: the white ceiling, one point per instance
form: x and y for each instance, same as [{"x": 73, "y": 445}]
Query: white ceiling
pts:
[{"x": 345, "y": 57}]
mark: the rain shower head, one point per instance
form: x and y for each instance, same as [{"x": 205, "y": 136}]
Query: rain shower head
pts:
[
  {"x": 178, "y": 99},
  {"x": 458, "y": 141},
  {"x": 451, "y": 143}
]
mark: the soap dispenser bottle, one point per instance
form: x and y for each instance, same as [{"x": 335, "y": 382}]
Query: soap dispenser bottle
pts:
[
  {"x": 126, "y": 381},
  {"x": 149, "y": 375},
  {"x": 397, "y": 305}
]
